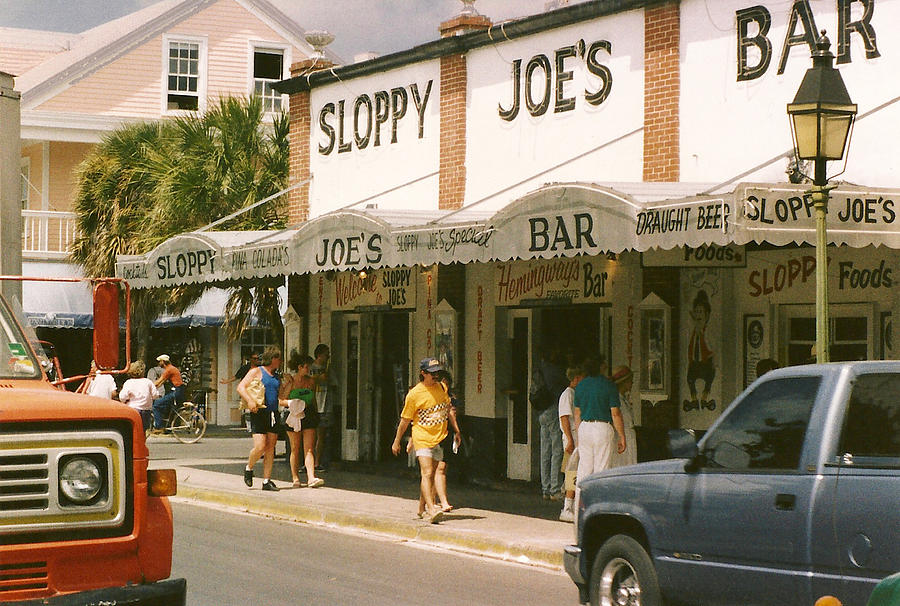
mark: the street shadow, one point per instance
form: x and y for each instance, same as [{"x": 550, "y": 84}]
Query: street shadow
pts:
[
  {"x": 450, "y": 517},
  {"x": 403, "y": 482}
]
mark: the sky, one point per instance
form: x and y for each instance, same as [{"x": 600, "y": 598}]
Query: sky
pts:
[{"x": 359, "y": 26}]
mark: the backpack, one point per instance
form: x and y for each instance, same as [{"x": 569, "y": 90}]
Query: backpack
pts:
[{"x": 538, "y": 393}]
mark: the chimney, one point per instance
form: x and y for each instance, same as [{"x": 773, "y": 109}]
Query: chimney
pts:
[
  {"x": 468, "y": 20},
  {"x": 552, "y": 5},
  {"x": 318, "y": 39}
]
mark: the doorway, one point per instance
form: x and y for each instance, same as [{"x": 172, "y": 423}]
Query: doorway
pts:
[
  {"x": 392, "y": 369},
  {"x": 521, "y": 426},
  {"x": 580, "y": 330}
]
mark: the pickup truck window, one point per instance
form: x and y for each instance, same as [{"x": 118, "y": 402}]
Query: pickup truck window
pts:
[
  {"x": 16, "y": 359},
  {"x": 872, "y": 423},
  {"x": 766, "y": 429}
]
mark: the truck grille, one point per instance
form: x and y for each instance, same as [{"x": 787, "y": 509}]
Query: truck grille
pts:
[
  {"x": 31, "y": 499},
  {"x": 23, "y": 577},
  {"x": 23, "y": 482}
]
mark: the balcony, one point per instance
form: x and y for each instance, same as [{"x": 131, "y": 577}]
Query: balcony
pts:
[{"x": 47, "y": 234}]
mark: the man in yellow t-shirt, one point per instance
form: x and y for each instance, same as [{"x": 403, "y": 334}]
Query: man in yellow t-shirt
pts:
[{"x": 427, "y": 407}]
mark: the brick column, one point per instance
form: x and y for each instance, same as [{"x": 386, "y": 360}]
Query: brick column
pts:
[
  {"x": 452, "y": 179},
  {"x": 300, "y": 144},
  {"x": 662, "y": 88},
  {"x": 454, "y": 80}
]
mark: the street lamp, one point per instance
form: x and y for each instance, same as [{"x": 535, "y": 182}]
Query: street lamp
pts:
[{"x": 822, "y": 116}]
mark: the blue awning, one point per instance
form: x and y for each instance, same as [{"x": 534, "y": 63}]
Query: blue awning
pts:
[
  {"x": 70, "y": 304},
  {"x": 56, "y": 304},
  {"x": 208, "y": 311}
]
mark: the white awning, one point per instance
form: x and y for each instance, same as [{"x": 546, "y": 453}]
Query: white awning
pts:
[
  {"x": 188, "y": 258},
  {"x": 556, "y": 220}
]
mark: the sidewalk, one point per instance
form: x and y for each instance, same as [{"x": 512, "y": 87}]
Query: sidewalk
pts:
[{"x": 504, "y": 522}]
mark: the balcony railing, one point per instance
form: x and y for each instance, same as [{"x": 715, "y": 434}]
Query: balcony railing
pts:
[{"x": 47, "y": 233}]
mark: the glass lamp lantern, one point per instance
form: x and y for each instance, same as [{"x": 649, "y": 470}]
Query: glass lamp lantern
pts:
[{"x": 822, "y": 113}]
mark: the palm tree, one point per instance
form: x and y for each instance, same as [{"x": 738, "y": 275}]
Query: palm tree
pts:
[
  {"x": 115, "y": 186},
  {"x": 148, "y": 182}
]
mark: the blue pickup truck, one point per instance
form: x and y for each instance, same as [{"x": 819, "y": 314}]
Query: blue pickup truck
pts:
[{"x": 793, "y": 494}]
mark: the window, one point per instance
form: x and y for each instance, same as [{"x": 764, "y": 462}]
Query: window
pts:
[
  {"x": 26, "y": 183},
  {"x": 268, "y": 68},
  {"x": 255, "y": 340},
  {"x": 184, "y": 81},
  {"x": 767, "y": 428},
  {"x": 849, "y": 327},
  {"x": 872, "y": 424}
]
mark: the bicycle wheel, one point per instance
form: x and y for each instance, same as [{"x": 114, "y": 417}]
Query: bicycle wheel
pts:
[{"x": 188, "y": 425}]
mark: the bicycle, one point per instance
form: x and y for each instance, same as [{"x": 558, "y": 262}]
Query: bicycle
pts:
[{"x": 185, "y": 423}]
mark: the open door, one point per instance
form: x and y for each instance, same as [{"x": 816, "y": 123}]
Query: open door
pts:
[
  {"x": 358, "y": 423},
  {"x": 349, "y": 325},
  {"x": 392, "y": 366},
  {"x": 520, "y": 442}
]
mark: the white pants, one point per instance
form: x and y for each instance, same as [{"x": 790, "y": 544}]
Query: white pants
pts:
[{"x": 595, "y": 446}]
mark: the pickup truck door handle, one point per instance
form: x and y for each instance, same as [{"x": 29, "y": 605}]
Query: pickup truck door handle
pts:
[{"x": 785, "y": 502}]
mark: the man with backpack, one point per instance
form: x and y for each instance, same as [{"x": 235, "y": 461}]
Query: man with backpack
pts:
[{"x": 548, "y": 380}]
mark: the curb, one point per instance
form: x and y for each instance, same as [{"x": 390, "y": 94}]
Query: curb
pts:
[{"x": 416, "y": 532}]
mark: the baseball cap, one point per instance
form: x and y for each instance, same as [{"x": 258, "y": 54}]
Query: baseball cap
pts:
[
  {"x": 162, "y": 358},
  {"x": 430, "y": 365},
  {"x": 621, "y": 374}
]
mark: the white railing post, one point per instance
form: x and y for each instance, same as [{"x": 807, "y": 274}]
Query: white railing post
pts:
[{"x": 37, "y": 229}]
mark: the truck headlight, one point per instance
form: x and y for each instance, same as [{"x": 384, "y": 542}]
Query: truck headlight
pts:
[{"x": 80, "y": 479}]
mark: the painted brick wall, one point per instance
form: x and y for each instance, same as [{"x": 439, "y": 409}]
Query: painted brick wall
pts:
[
  {"x": 300, "y": 142},
  {"x": 662, "y": 88},
  {"x": 299, "y": 138},
  {"x": 452, "y": 180}
]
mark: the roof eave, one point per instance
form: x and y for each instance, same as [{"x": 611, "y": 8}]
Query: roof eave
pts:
[{"x": 455, "y": 45}]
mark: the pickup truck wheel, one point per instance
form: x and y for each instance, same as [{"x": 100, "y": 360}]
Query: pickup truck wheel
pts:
[{"x": 623, "y": 575}]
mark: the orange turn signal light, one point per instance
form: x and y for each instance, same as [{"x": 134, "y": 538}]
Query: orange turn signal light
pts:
[{"x": 162, "y": 482}]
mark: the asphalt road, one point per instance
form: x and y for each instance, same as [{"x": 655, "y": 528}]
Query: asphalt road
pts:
[{"x": 233, "y": 558}]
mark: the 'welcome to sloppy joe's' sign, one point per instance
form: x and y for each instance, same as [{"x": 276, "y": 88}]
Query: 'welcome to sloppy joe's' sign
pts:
[
  {"x": 578, "y": 280},
  {"x": 395, "y": 288}
]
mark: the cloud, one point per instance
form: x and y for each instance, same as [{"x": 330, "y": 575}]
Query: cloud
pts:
[
  {"x": 388, "y": 26},
  {"x": 65, "y": 15},
  {"x": 380, "y": 26}
]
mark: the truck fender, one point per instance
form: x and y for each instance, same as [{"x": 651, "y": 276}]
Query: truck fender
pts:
[{"x": 155, "y": 551}]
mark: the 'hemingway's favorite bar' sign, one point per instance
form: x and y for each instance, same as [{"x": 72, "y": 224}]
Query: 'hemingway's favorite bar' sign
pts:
[{"x": 574, "y": 280}]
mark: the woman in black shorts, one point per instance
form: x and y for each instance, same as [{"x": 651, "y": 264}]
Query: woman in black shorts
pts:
[
  {"x": 293, "y": 387},
  {"x": 262, "y": 419}
]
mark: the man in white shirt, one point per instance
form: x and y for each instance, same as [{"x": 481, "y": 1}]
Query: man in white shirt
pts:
[
  {"x": 567, "y": 426},
  {"x": 139, "y": 392},
  {"x": 100, "y": 384}
]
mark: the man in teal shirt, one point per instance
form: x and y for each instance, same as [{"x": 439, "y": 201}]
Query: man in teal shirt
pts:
[{"x": 596, "y": 414}]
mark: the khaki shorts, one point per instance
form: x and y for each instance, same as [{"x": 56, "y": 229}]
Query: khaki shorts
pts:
[
  {"x": 569, "y": 469},
  {"x": 436, "y": 453}
]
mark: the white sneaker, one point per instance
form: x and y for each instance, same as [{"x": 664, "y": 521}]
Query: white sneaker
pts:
[{"x": 566, "y": 515}]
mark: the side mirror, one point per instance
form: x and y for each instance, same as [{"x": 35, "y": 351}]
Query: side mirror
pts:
[
  {"x": 106, "y": 325},
  {"x": 682, "y": 444}
]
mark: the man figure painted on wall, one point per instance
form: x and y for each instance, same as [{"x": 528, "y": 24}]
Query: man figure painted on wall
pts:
[{"x": 701, "y": 365}]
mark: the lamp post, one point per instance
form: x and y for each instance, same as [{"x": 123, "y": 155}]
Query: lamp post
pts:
[{"x": 822, "y": 116}]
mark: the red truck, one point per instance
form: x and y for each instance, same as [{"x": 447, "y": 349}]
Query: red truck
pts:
[{"x": 82, "y": 518}]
